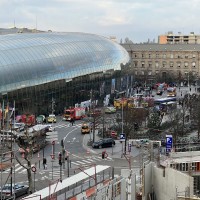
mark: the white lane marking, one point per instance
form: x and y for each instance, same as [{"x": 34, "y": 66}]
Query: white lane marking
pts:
[
  {"x": 97, "y": 158},
  {"x": 90, "y": 160},
  {"x": 75, "y": 163},
  {"x": 18, "y": 169},
  {"x": 81, "y": 162},
  {"x": 87, "y": 161}
]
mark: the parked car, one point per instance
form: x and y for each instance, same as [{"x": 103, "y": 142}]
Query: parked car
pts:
[
  {"x": 106, "y": 142},
  {"x": 40, "y": 119},
  {"x": 110, "y": 110},
  {"x": 17, "y": 189}
]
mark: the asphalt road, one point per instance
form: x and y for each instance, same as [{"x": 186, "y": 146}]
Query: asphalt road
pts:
[{"x": 80, "y": 156}]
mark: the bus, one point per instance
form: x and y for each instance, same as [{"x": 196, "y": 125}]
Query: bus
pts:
[
  {"x": 164, "y": 100},
  {"x": 165, "y": 104}
]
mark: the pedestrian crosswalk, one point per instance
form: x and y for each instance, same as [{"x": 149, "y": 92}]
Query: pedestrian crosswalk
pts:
[
  {"x": 17, "y": 169},
  {"x": 89, "y": 160},
  {"x": 56, "y": 174},
  {"x": 66, "y": 125}
]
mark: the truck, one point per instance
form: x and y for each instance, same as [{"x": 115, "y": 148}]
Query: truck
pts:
[
  {"x": 28, "y": 120},
  {"x": 74, "y": 113}
]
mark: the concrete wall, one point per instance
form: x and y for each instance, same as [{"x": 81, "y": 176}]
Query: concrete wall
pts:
[{"x": 166, "y": 183}]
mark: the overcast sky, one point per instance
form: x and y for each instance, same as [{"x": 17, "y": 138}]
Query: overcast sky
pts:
[{"x": 139, "y": 20}]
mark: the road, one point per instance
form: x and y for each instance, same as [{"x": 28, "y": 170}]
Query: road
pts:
[{"x": 80, "y": 156}]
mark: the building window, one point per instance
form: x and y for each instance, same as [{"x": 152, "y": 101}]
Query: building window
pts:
[
  {"x": 186, "y": 168},
  {"x": 135, "y": 63},
  {"x": 193, "y": 56},
  {"x": 179, "y": 56},
  {"x": 178, "y": 64},
  {"x": 142, "y": 64},
  {"x": 157, "y": 65},
  {"x": 164, "y": 56},
  {"x": 193, "y": 64},
  {"x": 186, "y": 64},
  {"x": 186, "y": 73},
  {"x": 136, "y": 73},
  {"x": 186, "y": 56},
  {"x": 164, "y": 64},
  {"x": 157, "y": 72},
  {"x": 157, "y": 55},
  {"x": 150, "y": 64},
  {"x": 171, "y": 55},
  {"x": 142, "y": 55},
  {"x": 171, "y": 64},
  {"x": 142, "y": 72},
  {"x": 149, "y": 55},
  {"x": 149, "y": 73},
  {"x": 135, "y": 55}
]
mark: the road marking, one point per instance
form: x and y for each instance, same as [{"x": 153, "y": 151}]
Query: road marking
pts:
[
  {"x": 97, "y": 158},
  {"x": 75, "y": 163},
  {"x": 81, "y": 162},
  {"x": 87, "y": 161},
  {"x": 90, "y": 160},
  {"x": 18, "y": 169}
]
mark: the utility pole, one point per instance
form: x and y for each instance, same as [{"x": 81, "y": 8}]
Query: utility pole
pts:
[
  {"x": 103, "y": 119},
  {"x": 94, "y": 120}
]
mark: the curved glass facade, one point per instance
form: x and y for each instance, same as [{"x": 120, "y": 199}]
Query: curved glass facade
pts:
[
  {"x": 33, "y": 59},
  {"x": 35, "y": 68}
]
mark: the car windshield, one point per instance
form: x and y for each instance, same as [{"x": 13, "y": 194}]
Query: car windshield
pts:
[{"x": 100, "y": 141}]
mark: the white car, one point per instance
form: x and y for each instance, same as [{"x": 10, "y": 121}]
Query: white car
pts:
[
  {"x": 51, "y": 128},
  {"x": 110, "y": 110}
]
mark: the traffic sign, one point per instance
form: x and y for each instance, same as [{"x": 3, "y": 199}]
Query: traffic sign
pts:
[
  {"x": 33, "y": 168},
  {"x": 122, "y": 137},
  {"x": 169, "y": 142}
]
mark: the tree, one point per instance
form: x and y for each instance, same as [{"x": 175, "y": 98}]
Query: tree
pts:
[
  {"x": 154, "y": 121},
  {"x": 195, "y": 112},
  {"x": 131, "y": 117}
]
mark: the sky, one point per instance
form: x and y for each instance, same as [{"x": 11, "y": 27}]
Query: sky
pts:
[{"x": 138, "y": 20}]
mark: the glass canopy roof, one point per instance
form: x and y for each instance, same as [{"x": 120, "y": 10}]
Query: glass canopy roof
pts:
[{"x": 32, "y": 59}]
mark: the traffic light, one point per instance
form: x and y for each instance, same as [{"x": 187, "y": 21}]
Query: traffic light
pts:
[{"x": 60, "y": 159}]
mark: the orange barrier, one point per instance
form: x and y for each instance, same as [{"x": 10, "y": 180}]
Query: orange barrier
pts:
[{"x": 90, "y": 191}]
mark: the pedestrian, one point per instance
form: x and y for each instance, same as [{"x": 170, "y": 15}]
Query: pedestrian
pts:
[
  {"x": 44, "y": 163},
  {"x": 72, "y": 121}
]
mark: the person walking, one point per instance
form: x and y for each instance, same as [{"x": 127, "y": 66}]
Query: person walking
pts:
[
  {"x": 72, "y": 121},
  {"x": 44, "y": 163}
]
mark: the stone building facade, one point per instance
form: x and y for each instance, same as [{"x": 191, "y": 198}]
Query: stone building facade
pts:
[{"x": 164, "y": 62}]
